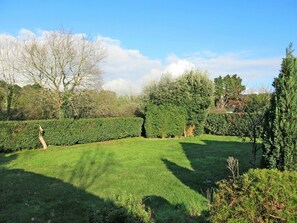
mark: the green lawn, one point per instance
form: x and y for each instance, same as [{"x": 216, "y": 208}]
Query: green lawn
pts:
[{"x": 60, "y": 184}]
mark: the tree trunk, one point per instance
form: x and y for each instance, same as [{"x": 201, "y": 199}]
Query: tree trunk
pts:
[
  {"x": 189, "y": 130},
  {"x": 9, "y": 102},
  {"x": 41, "y": 139}
]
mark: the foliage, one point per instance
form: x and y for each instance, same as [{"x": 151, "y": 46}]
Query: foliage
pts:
[
  {"x": 164, "y": 121},
  {"x": 227, "y": 89},
  {"x": 226, "y": 124},
  {"x": 17, "y": 135},
  {"x": 34, "y": 103},
  {"x": 247, "y": 122},
  {"x": 256, "y": 103},
  {"x": 193, "y": 91},
  {"x": 280, "y": 131},
  {"x": 108, "y": 104},
  {"x": 251, "y": 108},
  {"x": 9, "y": 94},
  {"x": 257, "y": 196}
]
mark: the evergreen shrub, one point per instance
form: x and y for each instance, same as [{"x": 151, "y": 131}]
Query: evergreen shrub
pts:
[
  {"x": 227, "y": 124},
  {"x": 257, "y": 196},
  {"x": 164, "y": 121},
  {"x": 280, "y": 127}
]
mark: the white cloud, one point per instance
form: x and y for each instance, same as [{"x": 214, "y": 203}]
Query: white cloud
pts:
[
  {"x": 125, "y": 70},
  {"x": 254, "y": 72},
  {"x": 122, "y": 87},
  {"x": 178, "y": 66},
  {"x": 130, "y": 70}
]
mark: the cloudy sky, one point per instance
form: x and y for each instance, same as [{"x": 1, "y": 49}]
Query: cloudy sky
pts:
[{"x": 145, "y": 38}]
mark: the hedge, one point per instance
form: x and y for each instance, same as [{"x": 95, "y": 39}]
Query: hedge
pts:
[
  {"x": 225, "y": 124},
  {"x": 257, "y": 196},
  {"x": 18, "y": 135},
  {"x": 164, "y": 121}
]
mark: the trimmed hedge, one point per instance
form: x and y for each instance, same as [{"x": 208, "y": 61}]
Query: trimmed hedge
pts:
[
  {"x": 164, "y": 121},
  {"x": 18, "y": 135},
  {"x": 225, "y": 124},
  {"x": 257, "y": 196}
]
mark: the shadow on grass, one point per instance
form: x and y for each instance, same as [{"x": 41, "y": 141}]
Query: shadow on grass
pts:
[
  {"x": 31, "y": 197},
  {"x": 208, "y": 162},
  {"x": 164, "y": 211},
  {"x": 90, "y": 167}
]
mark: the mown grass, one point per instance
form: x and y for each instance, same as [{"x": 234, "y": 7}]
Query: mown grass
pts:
[{"x": 60, "y": 184}]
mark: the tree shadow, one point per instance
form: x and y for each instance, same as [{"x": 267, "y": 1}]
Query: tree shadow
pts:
[
  {"x": 31, "y": 197},
  {"x": 208, "y": 163},
  {"x": 90, "y": 167}
]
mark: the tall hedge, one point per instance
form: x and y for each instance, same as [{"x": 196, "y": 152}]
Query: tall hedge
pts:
[
  {"x": 193, "y": 91},
  {"x": 17, "y": 135},
  {"x": 226, "y": 124},
  {"x": 164, "y": 121}
]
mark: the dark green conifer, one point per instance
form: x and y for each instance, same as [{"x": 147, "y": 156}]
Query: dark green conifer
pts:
[{"x": 280, "y": 130}]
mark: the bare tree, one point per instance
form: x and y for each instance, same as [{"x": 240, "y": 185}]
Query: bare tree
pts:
[
  {"x": 233, "y": 166},
  {"x": 63, "y": 63},
  {"x": 9, "y": 68}
]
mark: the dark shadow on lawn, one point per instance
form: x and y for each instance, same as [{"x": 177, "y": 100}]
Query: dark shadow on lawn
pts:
[
  {"x": 164, "y": 211},
  {"x": 90, "y": 167},
  {"x": 209, "y": 164},
  {"x": 31, "y": 197}
]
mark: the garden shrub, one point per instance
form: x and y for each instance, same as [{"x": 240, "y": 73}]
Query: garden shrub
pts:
[
  {"x": 230, "y": 124},
  {"x": 193, "y": 91},
  {"x": 257, "y": 196},
  {"x": 164, "y": 121},
  {"x": 17, "y": 135}
]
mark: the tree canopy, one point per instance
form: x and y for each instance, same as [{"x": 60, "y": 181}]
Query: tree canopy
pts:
[{"x": 227, "y": 89}]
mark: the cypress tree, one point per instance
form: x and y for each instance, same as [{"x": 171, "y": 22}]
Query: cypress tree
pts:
[{"x": 280, "y": 130}]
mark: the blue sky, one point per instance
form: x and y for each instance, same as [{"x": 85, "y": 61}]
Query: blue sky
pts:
[{"x": 168, "y": 34}]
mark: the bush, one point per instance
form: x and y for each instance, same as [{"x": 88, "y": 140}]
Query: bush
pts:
[
  {"x": 17, "y": 135},
  {"x": 230, "y": 124},
  {"x": 257, "y": 196},
  {"x": 193, "y": 91},
  {"x": 164, "y": 121},
  {"x": 216, "y": 124}
]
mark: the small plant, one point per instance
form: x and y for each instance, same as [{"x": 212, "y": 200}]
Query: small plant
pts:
[
  {"x": 233, "y": 166},
  {"x": 209, "y": 196}
]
